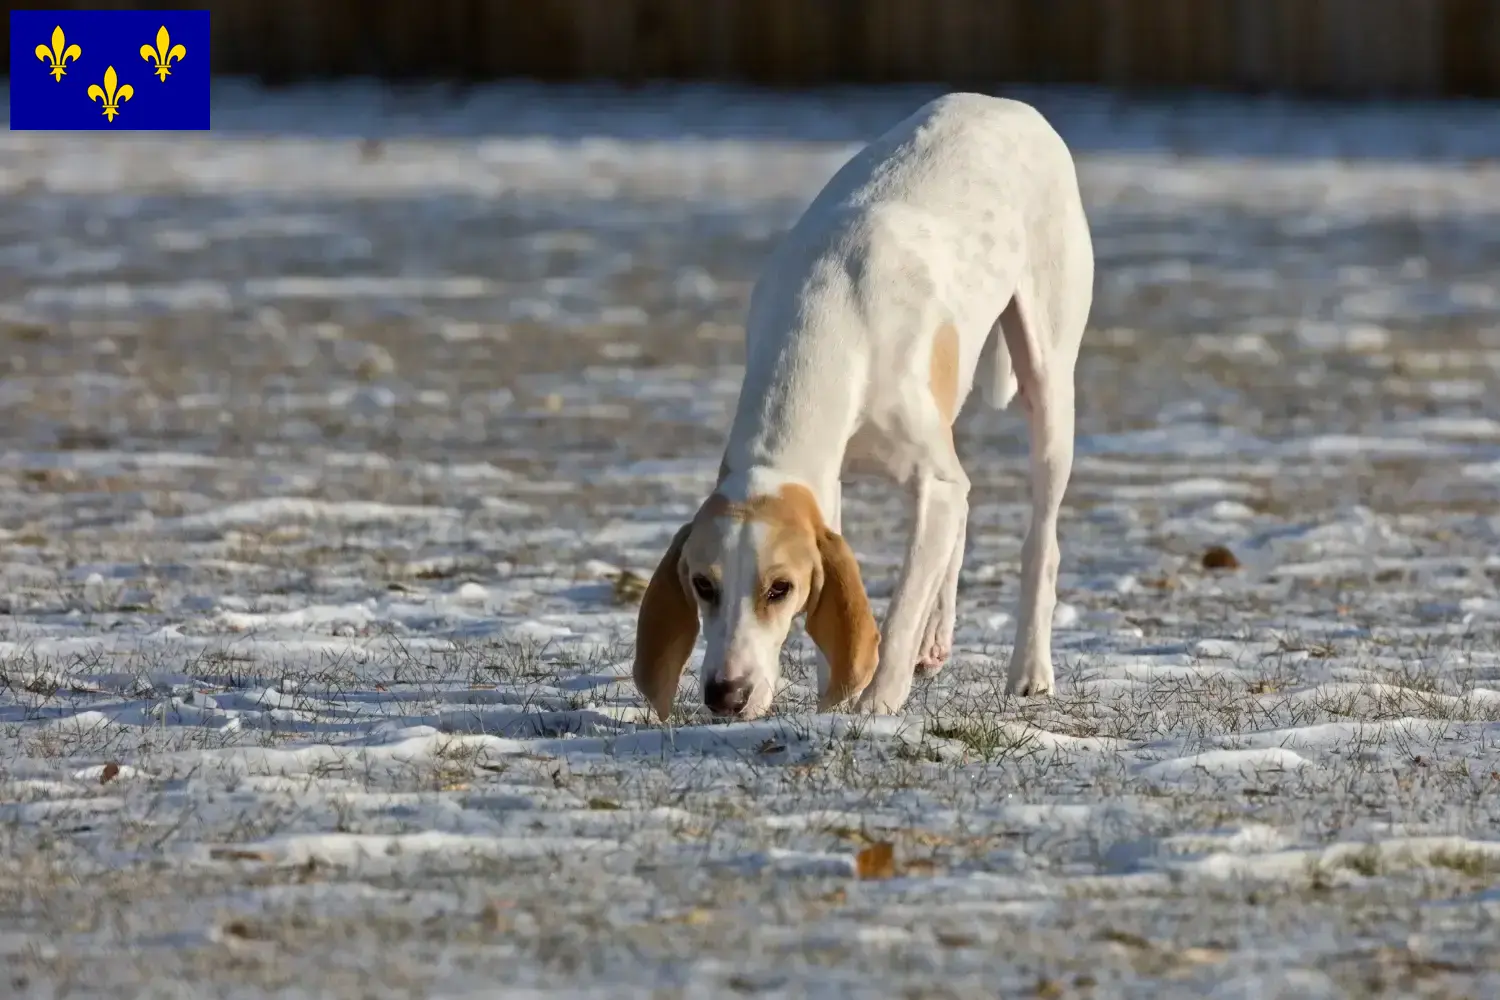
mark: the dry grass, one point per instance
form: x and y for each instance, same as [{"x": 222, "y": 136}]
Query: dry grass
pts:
[{"x": 379, "y": 681}]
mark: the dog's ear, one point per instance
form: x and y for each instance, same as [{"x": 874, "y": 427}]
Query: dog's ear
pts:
[
  {"x": 840, "y": 621},
  {"x": 665, "y": 630}
]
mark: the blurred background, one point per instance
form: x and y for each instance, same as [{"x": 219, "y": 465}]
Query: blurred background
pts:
[{"x": 1354, "y": 48}]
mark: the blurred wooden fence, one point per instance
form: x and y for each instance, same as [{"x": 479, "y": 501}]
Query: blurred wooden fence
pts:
[{"x": 1346, "y": 47}]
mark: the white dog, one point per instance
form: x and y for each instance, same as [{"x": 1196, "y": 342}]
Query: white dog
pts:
[{"x": 953, "y": 249}]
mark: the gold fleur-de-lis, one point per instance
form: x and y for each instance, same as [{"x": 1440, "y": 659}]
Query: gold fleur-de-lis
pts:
[
  {"x": 164, "y": 53},
  {"x": 109, "y": 94},
  {"x": 59, "y": 54}
]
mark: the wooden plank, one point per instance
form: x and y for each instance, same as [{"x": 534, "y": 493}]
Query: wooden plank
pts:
[
  {"x": 953, "y": 45},
  {"x": 1173, "y": 57},
  {"x": 1491, "y": 83},
  {"x": 1470, "y": 47},
  {"x": 400, "y": 36},
  {"x": 604, "y": 33},
  {"x": 1253, "y": 45},
  {"x": 1342, "y": 42},
  {"x": 338, "y": 40},
  {"x": 299, "y": 32},
  {"x": 753, "y": 58},
  {"x": 1209, "y": 42},
  {"x": 1300, "y": 63},
  {"x": 666, "y": 34},
  {"x": 539, "y": 40},
  {"x": 876, "y": 63},
  {"x": 798, "y": 39},
  {"x": 1418, "y": 39},
  {"x": 1076, "y": 31},
  {"x": 996, "y": 42},
  {"x": 1035, "y": 63},
  {"x": 909, "y": 42},
  {"x": 273, "y": 62},
  {"x": 230, "y": 28},
  {"x": 1117, "y": 45}
]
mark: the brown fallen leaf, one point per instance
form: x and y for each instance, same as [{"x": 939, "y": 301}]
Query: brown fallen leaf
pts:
[
  {"x": 850, "y": 833},
  {"x": 110, "y": 773},
  {"x": 919, "y": 866},
  {"x": 929, "y": 838},
  {"x": 245, "y": 930},
  {"x": 876, "y": 861},
  {"x": 237, "y": 854},
  {"x": 694, "y": 917},
  {"x": 629, "y": 587},
  {"x": 956, "y": 939},
  {"x": 1218, "y": 557},
  {"x": 492, "y": 918},
  {"x": 1048, "y": 988},
  {"x": 1126, "y": 938}
]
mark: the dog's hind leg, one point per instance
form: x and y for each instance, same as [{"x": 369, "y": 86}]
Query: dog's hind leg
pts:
[{"x": 1045, "y": 377}]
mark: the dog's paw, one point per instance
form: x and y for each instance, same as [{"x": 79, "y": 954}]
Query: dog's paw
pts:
[
  {"x": 881, "y": 699},
  {"x": 934, "y": 658},
  {"x": 937, "y": 642},
  {"x": 1029, "y": 680}
]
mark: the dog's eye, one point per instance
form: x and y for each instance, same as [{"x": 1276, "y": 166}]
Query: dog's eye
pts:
[
  {"x": 705, "y": 588},
  {"x": 778, "y": 591}
]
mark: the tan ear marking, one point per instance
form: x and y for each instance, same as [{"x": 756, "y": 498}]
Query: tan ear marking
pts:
[
  {"x": 842, "y": 624},
  {"x": 666, "y": 629},
  {"x": 942, "y": 376}
]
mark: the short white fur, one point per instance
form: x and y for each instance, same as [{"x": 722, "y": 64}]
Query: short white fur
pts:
[
  {"x": 739, "y": 645},
  {"x": 965, "y": 215}
]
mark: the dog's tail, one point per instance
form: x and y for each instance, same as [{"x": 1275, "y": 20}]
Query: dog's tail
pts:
[{"x": 995, "y": 374}]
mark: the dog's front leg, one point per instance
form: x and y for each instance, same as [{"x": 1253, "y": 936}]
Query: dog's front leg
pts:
[
  {"x": 937, "y": 639},
  {"x": 941, "y": 507}
]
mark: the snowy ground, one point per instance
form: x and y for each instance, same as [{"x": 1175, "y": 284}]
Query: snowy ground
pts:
[{"x": 325, "y": 438}]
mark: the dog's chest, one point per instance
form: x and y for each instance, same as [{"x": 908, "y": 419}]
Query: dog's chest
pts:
[{"x": 885, "y": 446}]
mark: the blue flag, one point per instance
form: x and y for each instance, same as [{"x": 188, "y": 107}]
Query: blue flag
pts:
[{"x": 121, "y": 70}]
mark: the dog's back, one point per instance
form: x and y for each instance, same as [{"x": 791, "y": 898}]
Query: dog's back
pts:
[{"x": 931, "y": 224}]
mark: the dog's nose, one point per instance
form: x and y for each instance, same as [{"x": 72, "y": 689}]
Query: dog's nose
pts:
[{"x": 726, "y": 697}]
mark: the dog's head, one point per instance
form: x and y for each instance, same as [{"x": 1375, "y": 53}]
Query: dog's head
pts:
[{"x": 748, "y": 569}]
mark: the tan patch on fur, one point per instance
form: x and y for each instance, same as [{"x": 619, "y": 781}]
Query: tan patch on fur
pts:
[
  {"x": 790, "y": 548},
  {"x": 842, "y": 624},
  {"x": 666, "y": 629},
  {"x": 942, "y": 376},
  {"x": 839, "y": 618},
  {"x": 790, "y": 551}
]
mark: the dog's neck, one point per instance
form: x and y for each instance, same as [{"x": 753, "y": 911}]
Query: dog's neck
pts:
[{"x": 742, "y": 484}]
